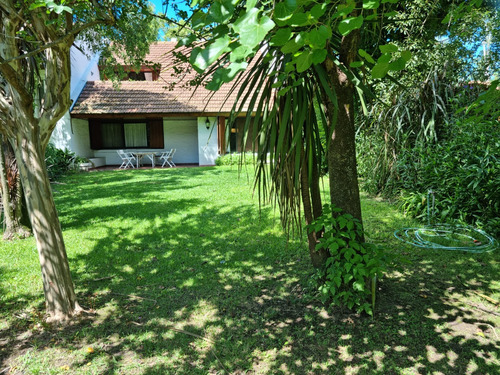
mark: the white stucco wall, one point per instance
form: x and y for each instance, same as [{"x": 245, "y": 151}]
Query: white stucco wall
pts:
[
  {"x": 111, "y": 156},
  {"x": 73, "y": 136},
  {"x": 208, "y": 147},
  {"x": 83, "y": 69},
  {"x": 182, "y": 134}
]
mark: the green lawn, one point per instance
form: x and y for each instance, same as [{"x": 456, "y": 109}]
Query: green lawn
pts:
[{"x": 183, "y": 274}]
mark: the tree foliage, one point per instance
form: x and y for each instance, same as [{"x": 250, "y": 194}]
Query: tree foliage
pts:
[{"x": 419, "y": 134}]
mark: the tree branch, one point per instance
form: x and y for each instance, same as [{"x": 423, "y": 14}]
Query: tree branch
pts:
[
  {"x": 14, "y": 80},
  {"x": 63, "y": 39},
  {"x": 9, "y": 9}
]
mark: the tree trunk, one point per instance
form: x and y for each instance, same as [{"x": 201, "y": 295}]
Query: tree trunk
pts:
[
  {"x": 60, "y": 297},
  {"x": 311, "y": 200},
  {"x": 342, "y": 165},
  {"x": 12, "y": 194}
]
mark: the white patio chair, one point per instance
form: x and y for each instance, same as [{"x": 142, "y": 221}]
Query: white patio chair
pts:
[
  {"x": 128, "y": 159},
  {"x": 167, "y": 158}
]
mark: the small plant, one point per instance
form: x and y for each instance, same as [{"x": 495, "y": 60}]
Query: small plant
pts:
[
  {"x": 349, "y": 278},
  {"x": 236, "y": 158}
]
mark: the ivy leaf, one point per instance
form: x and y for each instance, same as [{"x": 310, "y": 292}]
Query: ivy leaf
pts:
[
  {"x": 380, "y": 70},
  {"x": 252, "y": 30},
  {"x": 319, "y": 55},
  {"x": 282, "y": 13},
  {"x": 230, "y": 72},
  {"x": 350, "y": 24},
  {"x": 186, "y": 40},
  {"x": 293, "y": 45},
  {"x": 251, "y": 4},
  {"x": 215, "y": 83},
  {"x": 388, "y": 48},
  {"x": 366, "y": 56},
  {"x": 240, "y": 53},
  {"x": 318, "y": 10},
  {"x": 406, "y": 55},
  {"x": 344, "y": 9},
  {"x": 298, "y": 20},
  {"x": 203, "y": 58},
  {"x": 317, "y": 37},
  {"x": 356, "y": 64},
  {"x": 325, "y": 32},
  {"x": 221, "y": 12},
  {"x": 398, "y": 64},
  {"x": 284, "y": 90},
  {"x": 281, "y": 37},
  {"x": 314, "y": 39},
  {"x": 385, "y": 58},
  {"x": 303, "y": 61},
  {"x": 199, "y": 20},
  {"x": 223, "y": 75},
  {"x": 371, "y": 4}
]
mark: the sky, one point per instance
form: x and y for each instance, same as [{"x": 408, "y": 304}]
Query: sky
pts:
[{"x": 159, "y": 7}]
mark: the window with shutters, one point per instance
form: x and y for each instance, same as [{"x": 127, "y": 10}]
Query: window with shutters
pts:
[{"x": 118, "y": 134}]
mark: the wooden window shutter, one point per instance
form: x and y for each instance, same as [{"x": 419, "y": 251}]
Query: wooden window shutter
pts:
[
  {"x": 156, "y": 133},
  {"x": 95, "y": 134}
]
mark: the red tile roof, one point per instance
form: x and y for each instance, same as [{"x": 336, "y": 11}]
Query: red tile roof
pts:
[{"x": 171, "y": 94}]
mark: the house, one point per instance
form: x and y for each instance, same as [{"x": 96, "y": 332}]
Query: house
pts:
[{"x": 153, "y": 110}]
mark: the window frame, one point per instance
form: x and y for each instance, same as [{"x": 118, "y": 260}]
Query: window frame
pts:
[{"x": 96, "y": 139}]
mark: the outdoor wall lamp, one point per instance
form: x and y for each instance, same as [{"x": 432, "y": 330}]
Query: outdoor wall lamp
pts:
[{"x": 207, "y": 123}]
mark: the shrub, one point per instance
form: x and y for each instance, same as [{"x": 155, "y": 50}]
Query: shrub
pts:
[
  {"x": 404, "y": 151},
  {"x": 463, "y": 171},
  {"x": 349, "y": 278},
  {"x": 60, "y": 162}
]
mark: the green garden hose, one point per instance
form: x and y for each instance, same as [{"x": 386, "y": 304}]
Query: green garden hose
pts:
[{"x": 446, "y": 237}]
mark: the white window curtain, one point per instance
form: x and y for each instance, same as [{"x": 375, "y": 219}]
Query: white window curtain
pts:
[{"x": 136, "y": 135}]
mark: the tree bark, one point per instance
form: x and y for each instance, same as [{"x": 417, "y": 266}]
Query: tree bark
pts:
[
  {"x": 342, "y": 164},
  {"x": 311, "y": 200},
  {"x": 58, "y": 288}
]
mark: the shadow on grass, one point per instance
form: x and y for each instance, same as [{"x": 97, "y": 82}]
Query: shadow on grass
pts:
[{"x": 215, "y": 290}]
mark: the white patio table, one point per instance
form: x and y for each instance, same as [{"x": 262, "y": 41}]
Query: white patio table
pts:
[{"x": 140, "y": 154}]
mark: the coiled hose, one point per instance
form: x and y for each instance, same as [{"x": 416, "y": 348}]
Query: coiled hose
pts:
[{"x": 446, "y": 237}]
